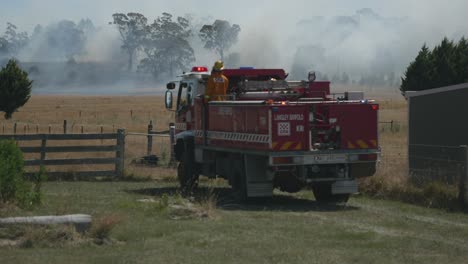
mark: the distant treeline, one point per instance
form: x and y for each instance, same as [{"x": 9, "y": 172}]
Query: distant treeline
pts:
[
  {"x": 446, "y": 64},
  {"x": 162, "y": 47},
  {"x": 134, "y": 46}
]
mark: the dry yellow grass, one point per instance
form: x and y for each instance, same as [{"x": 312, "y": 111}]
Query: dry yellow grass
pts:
[
  {"x": 90, "y": 113},
  {"x": 393, "y": 167}
]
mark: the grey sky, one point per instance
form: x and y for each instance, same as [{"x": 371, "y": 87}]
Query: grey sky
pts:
[{"x": 27, "y": 13}]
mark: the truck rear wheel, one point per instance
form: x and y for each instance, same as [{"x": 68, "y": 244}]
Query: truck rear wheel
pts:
[
  {"x": 186, "y": 171},
  {"x": 323, "y": 194},
  {"x": 239, "y": 181}
]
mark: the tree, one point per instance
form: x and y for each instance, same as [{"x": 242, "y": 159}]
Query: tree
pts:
[
  {"x": 166, "y": 46},
  {"x": 443, "y": 66},
  {"x": 304, "y": 60},
  {"x": 220, "y": 36},
  {"x": 15, "y": 88},
  {"x": 335, "y": 78},
  {"x": 12, "y": 42},
  {"x": 66, "y": 39},
  {"x": 233, "y": 60},
  {"x": 3, "y": 47},
  {"x": 132, "y": 28},
  {"x": 344, "y": 78},
  {"x": 461, "y": 61},
  {"x": 418, "y": 74},
  {"x": 446, "y": 64},
  {"x": 87, "y": 26}
]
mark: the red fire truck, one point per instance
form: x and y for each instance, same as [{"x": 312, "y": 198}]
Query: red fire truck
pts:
[{"x": 273, "y": 133}]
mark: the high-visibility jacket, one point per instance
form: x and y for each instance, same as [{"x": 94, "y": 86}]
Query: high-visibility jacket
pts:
[{"x": 216, "y": 87}]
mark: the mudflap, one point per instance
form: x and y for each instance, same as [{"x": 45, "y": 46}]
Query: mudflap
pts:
[
  {"x": 259, "y": 178},
  {"x": 344, "y": 187}
]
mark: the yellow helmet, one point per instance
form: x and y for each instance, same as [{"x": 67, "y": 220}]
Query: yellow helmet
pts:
[{"x": 218, "y": 66}]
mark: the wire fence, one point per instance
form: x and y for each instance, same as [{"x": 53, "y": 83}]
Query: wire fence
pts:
[
  {"x": 24, "y": 128},
  {"x": 390, "y": 126}
]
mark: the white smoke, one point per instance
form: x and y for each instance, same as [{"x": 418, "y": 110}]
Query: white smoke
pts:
[{"x": 338, "y": 36}]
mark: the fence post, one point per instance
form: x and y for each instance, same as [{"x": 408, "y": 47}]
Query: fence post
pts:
[
  {"x": 120, "y": 153},
  {"x": 50, "y": 128},
  {"x": 37, "y": 129},
  {"x": 64, "y": 126},
  {"x": 172, "y": 143},
  {"x": 14, "y": 128},
  {"x": 149, "y": 148},
  {"x": 43, "y": 149}
]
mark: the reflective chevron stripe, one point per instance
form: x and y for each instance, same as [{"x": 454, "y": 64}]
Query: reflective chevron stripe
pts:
[
  {"x": 243, "y": 137},
  {"x": 362, "y": 144},
  {"x": 287, "y": 145}
]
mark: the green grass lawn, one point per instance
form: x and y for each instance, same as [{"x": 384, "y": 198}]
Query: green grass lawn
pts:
[{"x": 284, "y": 229}]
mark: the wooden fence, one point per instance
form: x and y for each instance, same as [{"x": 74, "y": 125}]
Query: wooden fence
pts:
[{"x": 43, "y": 150}]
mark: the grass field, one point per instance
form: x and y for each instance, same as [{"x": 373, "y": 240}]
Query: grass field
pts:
[
  {"x": 211, "y": 227},
  {"x": 285, "y": 229}
]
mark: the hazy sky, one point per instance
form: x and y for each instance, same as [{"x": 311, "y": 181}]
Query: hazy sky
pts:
[
  {"x": 270, "y": 34},
  {"x": 28, "y": 13}
]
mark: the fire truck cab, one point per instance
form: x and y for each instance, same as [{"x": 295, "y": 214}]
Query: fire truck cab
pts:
[{"x": 272, "y": 133}]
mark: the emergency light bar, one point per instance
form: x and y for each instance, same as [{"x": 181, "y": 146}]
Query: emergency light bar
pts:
[{"x": 199, "y": 69}]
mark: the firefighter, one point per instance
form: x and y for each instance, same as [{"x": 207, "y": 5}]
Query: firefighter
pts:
[{"x": 217, "y": 84}]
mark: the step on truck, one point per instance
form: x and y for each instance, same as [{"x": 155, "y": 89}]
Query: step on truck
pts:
[{"x": 272, "y": 133}]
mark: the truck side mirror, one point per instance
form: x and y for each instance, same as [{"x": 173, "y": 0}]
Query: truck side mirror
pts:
[
  {"x": 168, "y": 100},
  {"x": 170, "y": 86}
]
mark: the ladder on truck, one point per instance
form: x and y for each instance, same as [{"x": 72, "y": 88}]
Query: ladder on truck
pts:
[{"x": 270, "y": 89}]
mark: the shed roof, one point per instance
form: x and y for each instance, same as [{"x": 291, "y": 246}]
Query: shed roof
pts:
[{"x": 409, "y": 94}]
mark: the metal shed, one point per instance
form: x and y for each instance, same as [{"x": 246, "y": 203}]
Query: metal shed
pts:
[{"x": 437, "y": 132}]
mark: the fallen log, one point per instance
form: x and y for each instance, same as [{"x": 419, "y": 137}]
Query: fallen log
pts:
[{"x": 82, "y": 222}]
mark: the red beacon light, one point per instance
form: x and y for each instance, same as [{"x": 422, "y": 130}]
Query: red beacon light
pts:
[{"x": 199, "y": 69}]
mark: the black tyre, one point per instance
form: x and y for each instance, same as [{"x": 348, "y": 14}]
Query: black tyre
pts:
[
  {"x": 239, "y": 182},
  {"x": 186, "y": 170},
  {"x": 323, "y": 194}
]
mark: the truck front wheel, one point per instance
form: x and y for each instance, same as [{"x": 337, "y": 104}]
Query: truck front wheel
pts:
[
  {"x": 323, "y": 194},
  {"x": 186, "y": 171}
]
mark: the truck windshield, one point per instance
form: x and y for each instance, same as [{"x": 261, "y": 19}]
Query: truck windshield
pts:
[{"x": 185, "y": 95}]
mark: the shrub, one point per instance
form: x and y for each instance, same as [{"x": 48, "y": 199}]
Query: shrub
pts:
[
  {"x": 31, "y": 193},
  {"x": 13, "y": 185},
  {"x": 103, "y": 226},
  {"x": 11, "y": 170}
]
